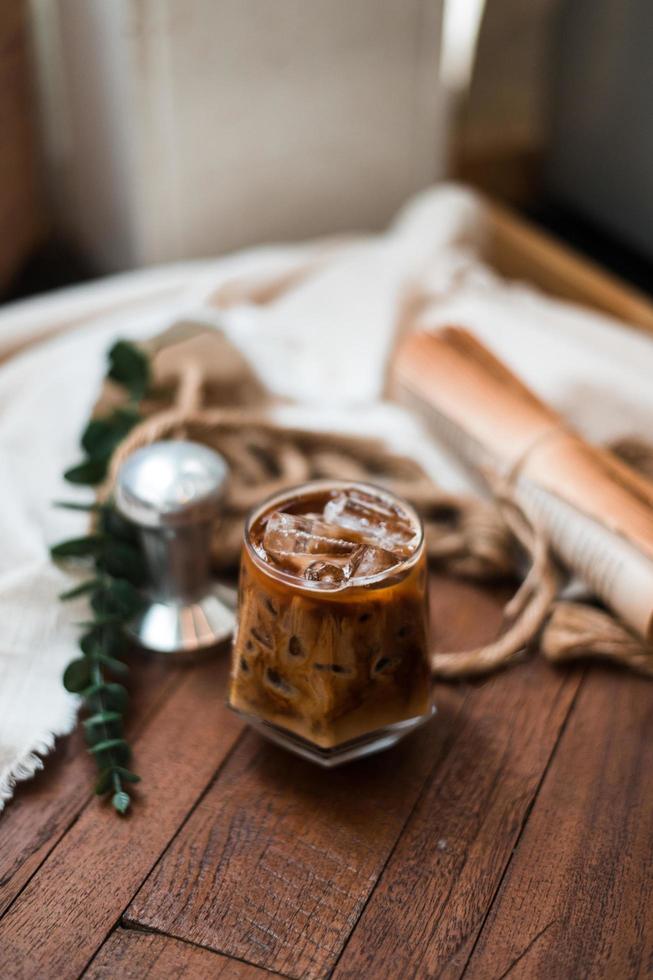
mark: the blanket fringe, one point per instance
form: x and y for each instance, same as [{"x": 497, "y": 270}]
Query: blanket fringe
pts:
[{"x": 31, "y": 762}]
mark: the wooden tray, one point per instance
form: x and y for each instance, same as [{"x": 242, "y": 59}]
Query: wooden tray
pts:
[{"x": 519, "y": 250}]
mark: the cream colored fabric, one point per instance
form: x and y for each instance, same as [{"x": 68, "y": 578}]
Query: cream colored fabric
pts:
[{"x": 324, "y": 343}]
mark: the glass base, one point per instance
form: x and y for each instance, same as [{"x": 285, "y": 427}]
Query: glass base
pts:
[{"x": 376, "y": 741}]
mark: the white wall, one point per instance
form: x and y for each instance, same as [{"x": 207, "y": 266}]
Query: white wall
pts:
[{"x": 192, "y": 127}]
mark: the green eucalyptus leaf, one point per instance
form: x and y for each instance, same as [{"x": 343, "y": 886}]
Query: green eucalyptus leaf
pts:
[
  {"x": 73, "y": 505},
  {"x": 121, "y": 801},
  {"x": 117, "y": 745},
  {"x": 117, "y": 754},
  {"x": 89, "y": 473},
  {"x": 116, "y": 696},
  {"x": 78, "y": 590},
  {"x": 114, "y": 525},
  {"x": 100, "y": 602},
  {"x": 104, "y": 782},
  {"x": 102, "y": 435},
  {"x": 123, "y": 561},
  {"x": 112, "y": 663},
  {"x": 99, "y": 439},
  {"x": 125, "y": 598},
  {"x": 102, "y": 639},
  {"x": 126, "y": 774},
  {"x": 89, "y": 545},
  {"x": 96, "y": 735},
  {"x": 76, "y": 676},
  {"x": 89, "y": 643},
  {"x": 106, "y": 695},
  {"x": 117, "y": 597},
  {"x": 102, "y": 718},
  {"x": 130, "y": 367}
]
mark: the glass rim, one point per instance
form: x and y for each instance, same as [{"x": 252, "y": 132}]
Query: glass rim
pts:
[{"x": 380, "y": 579}]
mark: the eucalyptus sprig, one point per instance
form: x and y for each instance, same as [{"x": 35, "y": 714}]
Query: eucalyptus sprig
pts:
[
  {"x": 114, "y": 598},
  {"x": 129, "y": 367},
  {"x": 118, "y": 570}
]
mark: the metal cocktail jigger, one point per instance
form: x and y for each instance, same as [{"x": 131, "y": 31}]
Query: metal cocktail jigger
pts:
[{"x": 173, "y": 492}]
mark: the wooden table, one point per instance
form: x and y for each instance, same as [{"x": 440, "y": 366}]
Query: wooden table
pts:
[{"x": 511, "y": 836}]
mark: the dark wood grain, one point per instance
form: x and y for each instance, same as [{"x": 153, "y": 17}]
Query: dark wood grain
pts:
[
  {"x": 577, "y": 900},
  {"x": 69, "y": 906},
  {"x": 433, "y": 896},
  {"x": 511, "y": 837},
  {"x": 277, "y": 862},
  {"x": 44, "y": 807},
  {"x": 131, "y": 955},
  {"x": 464, "y": 615}
]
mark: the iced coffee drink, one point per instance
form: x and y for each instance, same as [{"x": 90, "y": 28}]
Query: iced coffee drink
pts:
[{"x": 330, "y": 653}]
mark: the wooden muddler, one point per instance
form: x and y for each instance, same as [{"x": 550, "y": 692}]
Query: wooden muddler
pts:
[{"x": 596, "y": 512}]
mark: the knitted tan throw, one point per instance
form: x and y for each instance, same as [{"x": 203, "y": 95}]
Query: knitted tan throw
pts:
[{"x": 205, "y": 391}]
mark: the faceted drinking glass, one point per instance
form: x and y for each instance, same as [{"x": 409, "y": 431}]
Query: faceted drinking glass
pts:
[{"x": 330, "y": 656}]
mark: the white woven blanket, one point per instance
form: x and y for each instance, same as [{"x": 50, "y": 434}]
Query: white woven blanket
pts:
[{"x": 323, "y": 343}]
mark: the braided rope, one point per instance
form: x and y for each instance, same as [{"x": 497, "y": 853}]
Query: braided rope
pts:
[
  {"x": 466, "y": 536},
  {"x": 525, "y": 612}
]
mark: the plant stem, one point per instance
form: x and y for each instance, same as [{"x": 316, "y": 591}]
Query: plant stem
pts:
[{"x": 98, "y": 678}]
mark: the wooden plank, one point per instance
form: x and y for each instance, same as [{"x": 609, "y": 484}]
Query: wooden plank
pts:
[
  {"x": 276, "y": 863},
  {"x": 69, "y": 906},
  {"x": 432, "y": 898},
  {"x": 44, "y": 807},
  {"x": 463, "y": 615},
  {"x": 577, "y": 898},
  {"x": 278, "y": 860},
  {"x": 128, "y": 954}
]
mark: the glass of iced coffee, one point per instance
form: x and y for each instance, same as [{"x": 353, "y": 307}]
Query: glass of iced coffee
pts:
[{"x": 330, "y": 653}]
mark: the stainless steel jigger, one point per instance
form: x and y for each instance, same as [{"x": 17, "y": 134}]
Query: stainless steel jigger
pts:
[{"x": 173, "y": 492}]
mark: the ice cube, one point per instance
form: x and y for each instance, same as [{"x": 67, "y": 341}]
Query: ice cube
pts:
[
  {"x": 368, "y": 560},
  {"x": 327, "y": 572},
  {"x": 321, "y": 551},
  {"x": 364, "y": 562},
  {"x": 376, "y": 520},
  {"x": 295, "y": 542}
]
